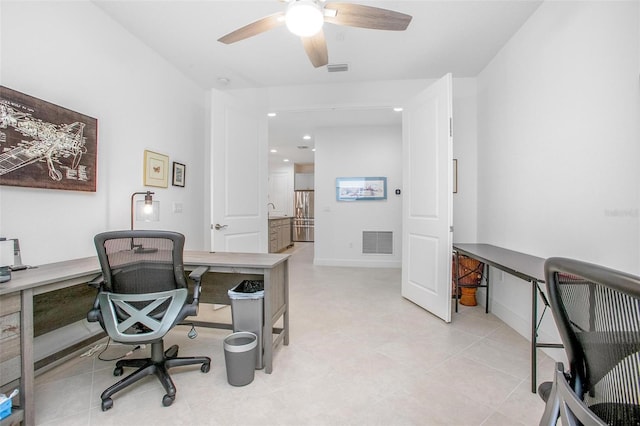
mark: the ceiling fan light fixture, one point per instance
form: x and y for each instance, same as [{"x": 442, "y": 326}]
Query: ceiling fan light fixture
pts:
[{"x": 304, "y": 18}]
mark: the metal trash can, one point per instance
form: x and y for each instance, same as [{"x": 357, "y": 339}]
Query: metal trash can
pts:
[
  {"x": 240, "y": 357},
  {"x": 247, "y": 311}
]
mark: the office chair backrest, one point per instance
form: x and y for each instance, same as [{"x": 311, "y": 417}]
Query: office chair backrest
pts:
[
  {"x": 141, "y": 261},
  {"x": 597, "y": 311}
]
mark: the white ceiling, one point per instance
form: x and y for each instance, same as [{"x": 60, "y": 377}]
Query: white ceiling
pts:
[{"x": 454, "y": 36}]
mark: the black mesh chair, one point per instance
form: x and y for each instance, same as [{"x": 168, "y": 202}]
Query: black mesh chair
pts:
[
  {"x": 142, "y": 295},
  {"x": 597, "y": 312}
]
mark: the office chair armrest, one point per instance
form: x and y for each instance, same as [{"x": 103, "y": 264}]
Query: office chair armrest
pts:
[
  {"x": 197, "y": 273},
  {"x": 196, "y": 276},
  {"x": 97, "y": 282},
  {"x": 564, "y": 404},
  {"x": 94, "y": 315}
]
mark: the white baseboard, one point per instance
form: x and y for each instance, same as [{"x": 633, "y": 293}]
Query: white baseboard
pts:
[{"x": 373, "y": 263}]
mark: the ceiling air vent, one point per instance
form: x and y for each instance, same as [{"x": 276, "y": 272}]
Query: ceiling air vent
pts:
[
  {"x": 337, "y": 67},
  {"x": 303, "y": 146}
]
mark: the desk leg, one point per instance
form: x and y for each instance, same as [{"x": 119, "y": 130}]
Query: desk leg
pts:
[
  {"x": 26, "y": 346},
  {"x": 267, "y": 326},
  {"x": 534, "y": 334},
  {"x": 486, "y": 301}
]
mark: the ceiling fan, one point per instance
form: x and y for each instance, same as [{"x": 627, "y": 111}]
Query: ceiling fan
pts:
[{"x": 306, "y": 17}]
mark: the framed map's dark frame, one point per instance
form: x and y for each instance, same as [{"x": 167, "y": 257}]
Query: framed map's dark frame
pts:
[{"x": 43, "y": 145}]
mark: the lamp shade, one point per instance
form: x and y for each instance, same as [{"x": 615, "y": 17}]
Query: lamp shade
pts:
[{"x": 145, "y": 210}]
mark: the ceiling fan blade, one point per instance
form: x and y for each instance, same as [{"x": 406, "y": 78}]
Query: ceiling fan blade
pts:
[
  {"x": 316, "y": 48},
  {"x": 261, "y": 25},
  {"x": 356, "y": 15}
]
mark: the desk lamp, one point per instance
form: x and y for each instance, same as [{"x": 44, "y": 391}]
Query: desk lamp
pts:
[{"x": 147, "y": 211}]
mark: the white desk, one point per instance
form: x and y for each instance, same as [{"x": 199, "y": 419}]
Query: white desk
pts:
[{"x": 16, "y": 303}]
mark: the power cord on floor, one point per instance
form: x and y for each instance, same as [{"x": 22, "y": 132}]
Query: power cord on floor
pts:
[{"x": 97, "y": 347}]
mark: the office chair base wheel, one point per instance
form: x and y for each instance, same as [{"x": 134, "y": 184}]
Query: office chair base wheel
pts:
[
  {"x": 118, "y": 371},
  {"x": 107, "y": 404},
  {"x": 167, "y": 400},
  {"x": 205, "y": 368}
]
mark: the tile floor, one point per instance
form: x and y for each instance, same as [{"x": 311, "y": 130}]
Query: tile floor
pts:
[{"x": 359, "y": 354}]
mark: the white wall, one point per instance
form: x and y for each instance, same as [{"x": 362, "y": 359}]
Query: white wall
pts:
[
  {"x": 558, "y": 146},
  {"x": 356, "y": 152},
  {"x": 465, "y": 150},
  {"x": 73, "y": 55}
]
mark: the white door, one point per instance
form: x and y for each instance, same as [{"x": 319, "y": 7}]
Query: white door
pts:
[
  {"x": 238, "y": 159},
  {"x": 427, "y": 203}
]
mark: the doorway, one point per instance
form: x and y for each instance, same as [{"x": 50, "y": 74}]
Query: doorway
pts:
[{"x": 335, "y": 227}]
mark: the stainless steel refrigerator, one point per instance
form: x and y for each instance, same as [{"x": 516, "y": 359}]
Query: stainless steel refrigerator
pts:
[{"x": 303, "y": 216}]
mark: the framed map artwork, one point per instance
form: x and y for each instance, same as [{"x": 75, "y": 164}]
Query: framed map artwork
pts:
[{"x": 43, "y": 145}]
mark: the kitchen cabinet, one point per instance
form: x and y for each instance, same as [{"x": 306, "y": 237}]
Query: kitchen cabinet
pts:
[{"x": 279, "y": 234}]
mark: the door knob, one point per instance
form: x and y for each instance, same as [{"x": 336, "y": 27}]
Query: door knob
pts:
[{"x": 219, "y": 227}]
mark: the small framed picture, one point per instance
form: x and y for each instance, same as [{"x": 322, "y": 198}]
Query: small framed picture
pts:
[
  {"x": 156, "y": 169},
  {"x": 361, "y": 188},
  {"x": 179, "y": 171}
]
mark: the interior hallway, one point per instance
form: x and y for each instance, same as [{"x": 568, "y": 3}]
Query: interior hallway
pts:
[{"x": 359, "y": 354}]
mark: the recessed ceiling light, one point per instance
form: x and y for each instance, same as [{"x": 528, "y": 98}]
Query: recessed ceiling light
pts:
[
  {"x": 314, "y": 150},
  {"x": 271, "y": 114},
  {"x": 274, "y": 150},
  {"x": 286, "y": 160},
  {"x": 306, "y": 137},
  {"x": 397, "y": 109}
]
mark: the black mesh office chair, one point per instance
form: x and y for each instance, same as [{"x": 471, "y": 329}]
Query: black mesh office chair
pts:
[
  {"x": 142, "y": 295},
  {"x": 597, "y": 311}
]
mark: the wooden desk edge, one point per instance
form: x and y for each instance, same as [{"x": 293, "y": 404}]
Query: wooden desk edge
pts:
[{"x": 87, "y": 267}]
